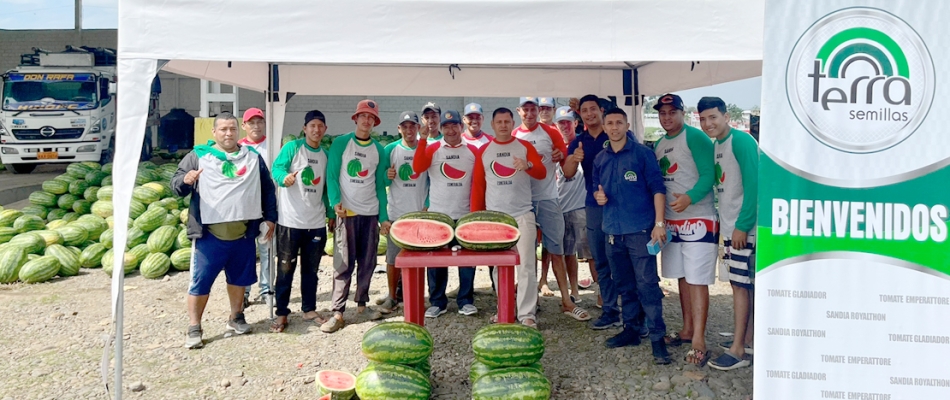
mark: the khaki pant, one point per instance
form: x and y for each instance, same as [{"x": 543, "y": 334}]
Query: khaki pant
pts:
[{"x": 526, "y": 274}]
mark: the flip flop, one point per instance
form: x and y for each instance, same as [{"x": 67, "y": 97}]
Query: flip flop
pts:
[
  {"x": 532, "y": 324},
  {"x": 696, "y": 354},
  {"x": 674, "y": 339},
  {"x": 578, "y": 313},
  {"x": 277, "y": 327},
  {"x": 316, "y": 319},
  {"x": 575, "y": 300}
]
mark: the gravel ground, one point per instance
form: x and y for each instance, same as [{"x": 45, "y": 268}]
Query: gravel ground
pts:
[{"x": 52, "y": 337}]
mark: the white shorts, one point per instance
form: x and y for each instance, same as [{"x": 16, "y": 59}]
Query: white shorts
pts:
[{"x": 694, "y": 261}]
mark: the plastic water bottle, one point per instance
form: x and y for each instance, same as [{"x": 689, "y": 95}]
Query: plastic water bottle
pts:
[{"x": 265, "y": 229}]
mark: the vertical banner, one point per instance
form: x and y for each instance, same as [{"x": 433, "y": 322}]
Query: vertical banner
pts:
[{"x": 852, "y": 287}]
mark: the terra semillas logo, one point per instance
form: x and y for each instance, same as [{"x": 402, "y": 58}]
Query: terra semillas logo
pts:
[{"x": 860, "y": 80}]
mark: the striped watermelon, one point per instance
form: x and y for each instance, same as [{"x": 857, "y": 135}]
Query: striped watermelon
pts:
[
  {"x": 91, "y": 256},
  {"x": 181, "y": 259},
  {"x": 94, "y": 224},
  {"x": 162, "y": 239},
  {"x": 107, "y": 168},
  {"x": 512, "y": 383},
  {"x": 66, "y": 201},
  {"x": 105, "y": 193},
  {"x": 70, "y": 217},
  {"x": 156, "y": 187},
  {"x": 338, "y": 385},
  {"x": 39, "y": 270},
  {"x": 91, "y": 194},
  {"x": 183, "y": 217},
  {"x": 390, "y": 381},
  {"x": 139, "y": 252},
  {"x": 65, "y": 178},
  {"x": 36, "y": 210},
  {"x": 55, "y": 186},
  {"x": 7, "y": 233},
  {"x": 107, "y": 181},
  {"x": 56, "y": 214},
  {"x": 135, "y": 237},
  {"x": 151, "y": 219},
  {"x": 29, "y": 242},
  {"x": 78, "y": 187},
  {"x": 27, "y": 223},
  {"x": 8, "y": 216},
  {"x": 68, "y": 262},
  {"x": 487, "y": 230},
  {"x": 94, "y": 178},
  {"x": 78, "y": 170},
  {"x": 11, "y": 260},
  {"x": 42, "y": 198},
  {"x": 508, "y": 345},
  {"x": 397, "y": 343},
  {"x": 154, "y": 266},
  {"x": 144, "y": 175},
  {"x": 146, "y": 195},
  {"x": 82, "y": 207},
  {"x": 181, "y": 240},
  {"x": 52, "y": 225},
  {"x": 422, "y": 230},
  {"x": 136, "y": 209},
  {"x": 109, "y": 255},
  {"x": 73, "y": 235},
  {"x": 106, "y": 238},
  {"x": 170, "y": 220},
  {"x": 169, "y": 203},
  {"x": 50, "y": 237},
  {"x": 102, "y": 208}
]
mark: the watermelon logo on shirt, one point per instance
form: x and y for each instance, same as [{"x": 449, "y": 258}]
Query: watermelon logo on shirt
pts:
[
  {"x": 228, "y": 170},
  {"x": 720, "y": 175},
  {"x": 666, "y": 168},
  {"x": 406, "y": 173},
  {"x": 452, "y": 173},
  {"x": 502, "y": 171},
  {"x": 354, "y": 169},
  {"x": 307, "y": 176}
]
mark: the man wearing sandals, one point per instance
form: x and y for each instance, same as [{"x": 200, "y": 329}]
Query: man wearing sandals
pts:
[
  {"x": 685, "y": 155},
  {"x": 300, "y": 173},
  {"x": 631, "y": 190},
  {"x": 737, "y": 165},
  {"x": 231, "y": 194},
  {"x": 497, "y": 188}
]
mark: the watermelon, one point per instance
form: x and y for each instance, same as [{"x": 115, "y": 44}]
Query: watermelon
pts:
[
  {"x": 30, "y": 242},
  {"x": 28, "y": 223},
  {"x": 54, "y": 224},
  {"x": 183, "y": 217},
  {"x": 154, "y": 266},
  {"x": 326, "y": 397},
  {"x": 144, "y": 175},
  {"x": 107, "y": 168},
  {"x": 70, "y": 217},
  {"x": 512, "y": 383},
  {"x": 477, "y": 370},
  {"x": 508, "y": 345},
  {"x": 109, "y": 255},
  {"x": 162, "y": 239},
  {"x": 146, "y": 195},
  {"x": 136, "y": 209},
  {"x": 66, "y": 201},
  {"x": 68, "y": 262},
  {"x": 36, "y": 210},
  {"x": 82, "y": 207},
  {"x": 147, "y": 165},
  {"x": 73, "y": 234},
  {"x": 94, "y": 178},
  {"x": 39, "y": 270},
  {"x": 106, "y": 238},
  {"x": 98, "y": 225},
  {"x": 150, "y": 220},
  {"x": 397, "y": 343},
  {"x": 135, "y": 237},
  {"x": 139, "y": 252},
  {"x": 78, "y": 170},
  {"x": 11, "y": 260},
  {"x": 382, "y": 246},
  {"x": 487, "y": 230},
  {"x": 65, "y": 178},
  {"x": 8, "y": 216},
  {"x": 328, "y": 248},
  {"x": 107, "y": 181},
  {"x": 102, "y": 208},
  {"x": 56, "y": 214},
  {"x": 156, "y": 187},
  {"x": 422, "y": 230},
  {"x": 91, "y": 256},
  {"x": 287, "y": 139},
  {"x": 7, "y": 233},
  {"x": 91, "y": 194},
  {"x": 338, "y": 385},
  {"x": 181, "y": 259},
  {"x": 391, "y": 381},
  {"x": 170, "y": 220},
  {"x": 169, "y": 204},
  {"x": 42, "y": 198},
  {"x": 55, "y": 186},
  {"x": 105, "y": 193},
  {"x": 110, "y": 221},
  {"x": 50, "y": 237},
  {"x": 93, "y": 165},
  {"x": 79, "y": 187},
  {"x": 181, "y": 240}
]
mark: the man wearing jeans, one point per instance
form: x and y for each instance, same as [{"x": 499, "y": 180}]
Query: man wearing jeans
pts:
[
  {"x": 630, "y": 188},
  {"x": 257, "y": 139}
]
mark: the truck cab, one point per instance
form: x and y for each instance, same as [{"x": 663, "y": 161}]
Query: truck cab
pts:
[{"x": 58, "y": 108}]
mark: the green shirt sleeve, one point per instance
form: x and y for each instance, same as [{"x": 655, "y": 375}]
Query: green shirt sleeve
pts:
[
  {"x": 746, "y": 151},
  {"x": 281, "y": 166},
  {"x": 382, "y": 181},
  {"x": 388, "y": 151},
  {"x": 702, "y": 149},
  {"x": 334, "y": 162}
]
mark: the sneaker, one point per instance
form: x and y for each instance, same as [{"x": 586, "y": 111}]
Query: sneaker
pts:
[
  {"x": 238, "y": 325},
  {"x": 606, "y": 322},
  {"x": 333, "y": 324},
  {"x": 644, "y": 332},
  {"x": 728, "y": 345},
  {"x": 660, "y": 355},
  {"x": 728, "y": 362},
  {"x": 435, "y": 312},
  {"x": 626, "y": 337},
  {"x": 380, "y": 269},
  {"x": 389, "y": 305},
  {"x": 468, "y": 309},
  {"x": 193, "y": 338}
]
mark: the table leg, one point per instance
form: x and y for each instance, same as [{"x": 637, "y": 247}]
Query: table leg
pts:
[
  {"x": 413, "y": 286},
  {"x": 506, "y": 294}
]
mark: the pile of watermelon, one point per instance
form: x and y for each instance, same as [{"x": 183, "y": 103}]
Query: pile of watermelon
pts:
[
  {"x": 69, "y": 225},
  {"x": 480, "y": 231},
  {"x": 398, "y": 354},
  {"x": 508, "y": 363}
]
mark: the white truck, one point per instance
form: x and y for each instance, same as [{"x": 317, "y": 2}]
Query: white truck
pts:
[{"x": 58, "y": 107}]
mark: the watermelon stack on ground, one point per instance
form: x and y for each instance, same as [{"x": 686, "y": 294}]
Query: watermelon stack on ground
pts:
[
  {"x": 399, "y": 362},
  {"x": 508, "y": 356}
]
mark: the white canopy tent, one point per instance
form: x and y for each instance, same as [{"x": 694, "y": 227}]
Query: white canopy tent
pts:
[{"x": 494, "y": 48}]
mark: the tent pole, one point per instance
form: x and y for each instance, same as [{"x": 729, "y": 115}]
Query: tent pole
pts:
[{"x": 119, "y": 336}]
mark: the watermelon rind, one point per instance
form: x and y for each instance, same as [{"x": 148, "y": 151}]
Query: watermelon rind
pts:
[
  {"x": 30, "y": 242},
  {"x": 150, "y": 220},
  {"x": 512, "y": 383},
  {"x": 508, "y": 345},
  {"x": 11, "y": 260},
  {"x": 397, "y": 343},
  {"x": 390, "y": 381},
  {"x": 105, "y": 193},
  {"x": 55, "y": 186},
  {"x": 68, "y": 262},
  {"x": 7, "y": 233},
  {"x": 50, "y": 237},
  {"x": 91, "y": 256},
  {"x": 73, "y": 235},
  {"x": 325, "y": 382},
  {"x": 181, "y": 259},
  {"x": 425, "y": 216},
  {"x": 78, "y": 187},
  {"x": 162, "y": 239},
  {"x": 36, "y": 210},
  {"x": 27, "y": 223},
  {"x": 8, "y": 216},
  {"x": 39, "y": 270},
  {"x": 154, "y": 266},
  {"x": 43, "y": 198}
]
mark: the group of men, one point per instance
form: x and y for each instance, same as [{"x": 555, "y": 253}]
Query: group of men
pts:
[{"x": 597, "y": 194}]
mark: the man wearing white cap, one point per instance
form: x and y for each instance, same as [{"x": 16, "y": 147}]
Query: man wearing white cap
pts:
[
  {"x": 473, "y": 119},
  {"x": 546, "y": 111}
]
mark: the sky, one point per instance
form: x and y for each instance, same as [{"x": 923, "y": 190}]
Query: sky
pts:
[{"x": 103, "y": 14}]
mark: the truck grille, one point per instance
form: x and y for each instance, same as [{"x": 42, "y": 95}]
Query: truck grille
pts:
[{"x": 34, "y": 134}]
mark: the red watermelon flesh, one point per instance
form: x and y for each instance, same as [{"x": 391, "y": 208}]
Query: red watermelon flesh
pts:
[
  {"x": 362, "y": 174},
  {"x": 421, "y": 233},
  {"x": 340, "y": 383},
  {"x": 487, "y": 232},
  {"x": 242, "y": 171},
  {"x": 452, "y": 173},
  {"x": 502, "y": 171},
  {"x": 326, "y": 397}
]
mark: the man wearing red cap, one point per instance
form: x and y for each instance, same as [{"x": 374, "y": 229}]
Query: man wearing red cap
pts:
[
  {"x": 356, "y": 186},
  {"x": 257, "y": 139}
]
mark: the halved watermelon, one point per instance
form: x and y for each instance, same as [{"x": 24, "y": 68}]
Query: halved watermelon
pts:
[
  {"x": 422, "y": 231},
  {"x": 336, "y": 385},
  {"x": 487, "y": 230}
]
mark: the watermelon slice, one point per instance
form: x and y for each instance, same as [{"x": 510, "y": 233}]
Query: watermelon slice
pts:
[
  {"x": 316, "y": 181},
  {"x": 242, "y": 171},
  {"x": 502, "y": 171},
  {"x": 362, "y": 174},
  {"x": 452, "y": 173},
  {"x": 335, "y": 385},
  {"x": 420, "y": 234},
  {"x": 672, "y": 168},
  {"x": 487, "y": 235}
]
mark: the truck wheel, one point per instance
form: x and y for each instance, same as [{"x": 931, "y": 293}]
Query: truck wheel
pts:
[
  {"x": 106, "y": 156},
  {"x": 23, "y": 168}
]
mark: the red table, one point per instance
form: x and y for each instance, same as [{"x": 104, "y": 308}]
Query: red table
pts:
[{"x": 414, "y": 264}]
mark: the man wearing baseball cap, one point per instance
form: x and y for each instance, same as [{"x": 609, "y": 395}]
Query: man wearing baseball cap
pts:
[
  {"x": 685, "y": 155},
  {"x": 408, "y": 192},
  {"x": 356, "y": 187},
  {"x": 430, "y": 122},
  {"x": 473, "y": 134},
  {"x": 256, "y": 139},
  {"x": 449, "y": 162},
  {"x": 550, "y": 145},
  {"x": 546, "y": 111}
]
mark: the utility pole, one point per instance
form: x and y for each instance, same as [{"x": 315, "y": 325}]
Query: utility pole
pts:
[{"x": 78, "y": 23}]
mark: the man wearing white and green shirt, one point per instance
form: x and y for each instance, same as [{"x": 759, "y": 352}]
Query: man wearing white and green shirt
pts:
[
  {"x": 431, "y": 123},
  {"x": 685, "y": 155},
  {"x": 737, "y": 166},
  {"x": 300, "y": 173},
  {"x": 257, "y": 139},
  {"x": 408, "y": 192},
  {"x": 356, "y": 186}
]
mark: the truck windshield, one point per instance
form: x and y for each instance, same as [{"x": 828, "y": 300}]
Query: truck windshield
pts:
[{"x": 41, "y": 91}]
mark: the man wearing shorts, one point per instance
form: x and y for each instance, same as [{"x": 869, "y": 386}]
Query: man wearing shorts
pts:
[
  {"x": 231, "y": 194},
  {"x": 473, "y": 119},
  {"x": 408, "y": 192},
  {"x": 685, "y": 155},
  {"x": 737, "y": 180},
  {"x": 257, "y": 139},
  {"x": 300, "y": 172},
  {"x": 550, "y": 145}
]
